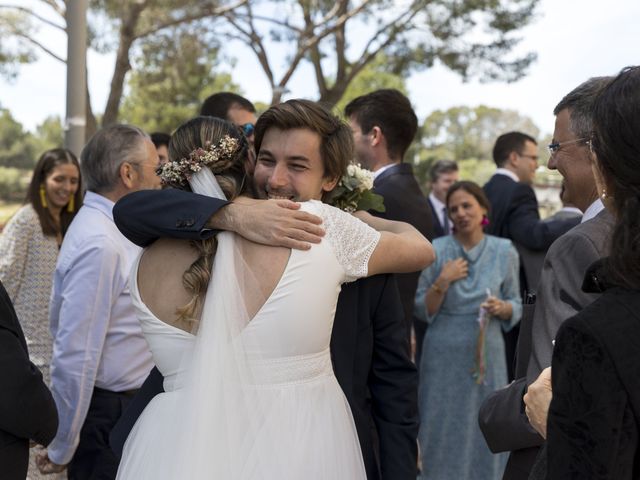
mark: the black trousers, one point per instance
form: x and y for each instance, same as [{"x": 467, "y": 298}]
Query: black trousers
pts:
[
  {"x": 420, "y": 330},
  {"x": 94, "y": 459}
]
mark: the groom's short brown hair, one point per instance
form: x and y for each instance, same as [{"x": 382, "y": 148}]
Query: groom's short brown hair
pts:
[{"x": 336, "y": 139}]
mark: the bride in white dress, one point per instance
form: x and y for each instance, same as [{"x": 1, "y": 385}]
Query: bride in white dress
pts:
[{"x": 250, "y": 391}]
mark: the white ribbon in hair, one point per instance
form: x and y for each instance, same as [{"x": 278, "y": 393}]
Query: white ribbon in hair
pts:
[{"x": 204, "y": 182}]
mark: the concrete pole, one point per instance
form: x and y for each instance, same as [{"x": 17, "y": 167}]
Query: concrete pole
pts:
[{"x": 75, "y": 123}]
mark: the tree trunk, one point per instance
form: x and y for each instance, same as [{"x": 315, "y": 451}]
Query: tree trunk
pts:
[
  {"x": 332, "y": 95},
  {"x": 127, "y": 37},
  {"x": 276, "y": 95},
  {"x": 91, "y": 125}
]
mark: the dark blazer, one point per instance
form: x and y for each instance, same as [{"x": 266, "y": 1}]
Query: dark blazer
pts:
[
  {"x": 368, "y": 344},
  {"x": 514, "y": 214},
  {"x": 438, "y": 228},
  {"x": 404, "y": 202},
  {"x": 560, "y": 296},
  {"x": 593, "y": 429},
  {"x": 27, "y": 409}
]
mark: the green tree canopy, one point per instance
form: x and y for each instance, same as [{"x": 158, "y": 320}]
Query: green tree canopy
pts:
[
  {"x": 466, "y": 135},
  {"x": 175, "y": 71},
  {"x": 16, "y": 144},
  {"x": 339, "y": 38},
  {"x": 373, "y": 77}
]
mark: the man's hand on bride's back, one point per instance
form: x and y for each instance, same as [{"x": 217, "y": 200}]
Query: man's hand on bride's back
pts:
[{"x": 279, "y": 223}]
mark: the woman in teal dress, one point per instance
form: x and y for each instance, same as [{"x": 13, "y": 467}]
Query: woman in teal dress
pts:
[{"x": 475, "y": 275}]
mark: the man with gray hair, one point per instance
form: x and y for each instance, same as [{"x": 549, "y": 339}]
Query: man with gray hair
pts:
[
  {"x": 559, "y": 296},
  {"x": 100, "y": 357}
]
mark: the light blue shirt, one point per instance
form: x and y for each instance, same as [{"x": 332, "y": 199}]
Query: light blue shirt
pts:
[{"x": 97, "y": 338}]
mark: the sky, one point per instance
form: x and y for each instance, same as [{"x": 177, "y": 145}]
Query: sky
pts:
[{"x": 574, "y": 40}]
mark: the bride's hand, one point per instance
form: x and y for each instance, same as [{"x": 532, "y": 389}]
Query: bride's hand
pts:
[{"x": 278, "y": 223}]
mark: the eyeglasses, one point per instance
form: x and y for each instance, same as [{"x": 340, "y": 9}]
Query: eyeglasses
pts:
[
  {"x": 248, "y": 129},
  {"x": 554, "y": 147}
]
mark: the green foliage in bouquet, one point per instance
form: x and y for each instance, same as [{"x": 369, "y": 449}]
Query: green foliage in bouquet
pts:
[{"x": 353, "y": 192}]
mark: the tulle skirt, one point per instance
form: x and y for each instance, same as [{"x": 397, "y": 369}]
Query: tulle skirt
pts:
[{"x": 310, "y": 434}]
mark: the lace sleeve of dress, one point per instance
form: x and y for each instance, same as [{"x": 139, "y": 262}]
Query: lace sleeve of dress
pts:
[
  {"x": 590, "y": 428},
  {"x": 353, "y": 241}
]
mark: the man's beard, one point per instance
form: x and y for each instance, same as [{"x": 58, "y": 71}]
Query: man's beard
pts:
[{"x": 265, "y": 193}]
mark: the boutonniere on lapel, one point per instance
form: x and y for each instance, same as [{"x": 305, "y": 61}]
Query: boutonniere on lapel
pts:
[{"x": 354, "y": 191}]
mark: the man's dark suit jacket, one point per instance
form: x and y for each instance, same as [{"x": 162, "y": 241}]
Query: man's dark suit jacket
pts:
[
  {"x": 438, "y": 228},
  {"x": 404, "y": 202},
  {"x": 368, "y": 344},
  {"x": 27, "y": 409},
  {"x": 514, "y": 215}
]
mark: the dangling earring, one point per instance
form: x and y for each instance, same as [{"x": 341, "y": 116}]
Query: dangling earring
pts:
[
  {"x": 485, "y": 221},
  {"x": 603, "y": 195},
  {"x": 43, "y": 197},
  {"x": 72, "y": 204}
]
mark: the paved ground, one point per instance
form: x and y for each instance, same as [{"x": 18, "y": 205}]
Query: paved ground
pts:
[{"x": 34, "y": 474}]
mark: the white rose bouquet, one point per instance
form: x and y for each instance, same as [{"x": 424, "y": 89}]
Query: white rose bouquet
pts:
[{"x": 353, "y": 191}]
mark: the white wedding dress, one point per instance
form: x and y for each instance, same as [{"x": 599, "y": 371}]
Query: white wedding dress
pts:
[{"x": 286, "y": 418}]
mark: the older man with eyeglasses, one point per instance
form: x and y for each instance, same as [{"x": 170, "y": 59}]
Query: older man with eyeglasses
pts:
[{"x": 559, "y": 293}]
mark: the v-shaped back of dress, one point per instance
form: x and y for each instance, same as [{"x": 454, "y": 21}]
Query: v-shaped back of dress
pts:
[{"x": 296, "y": 319}]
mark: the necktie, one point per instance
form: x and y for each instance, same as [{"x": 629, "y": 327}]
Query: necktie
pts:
[{"x": 445, "y": 222}]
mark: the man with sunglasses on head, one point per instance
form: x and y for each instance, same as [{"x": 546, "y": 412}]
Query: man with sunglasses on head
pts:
[{"x": 234, "y": 108}]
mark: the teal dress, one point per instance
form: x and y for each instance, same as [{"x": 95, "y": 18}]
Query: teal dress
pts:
[{"x": 451, "y": 444}]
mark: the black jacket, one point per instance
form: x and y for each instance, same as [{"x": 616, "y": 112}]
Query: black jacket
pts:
[
  {"x": 368, "y": 344},
  {"x": 27, "y": 409},
  {"x": 593, "y": 428},
  {"x": 514, "y": 214},
  {"x": 438, "y": 228},
  {"x": 404, "y": 202}
]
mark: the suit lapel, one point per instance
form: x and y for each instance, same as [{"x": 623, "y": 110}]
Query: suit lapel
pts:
[{"x": 438, "y": 228}]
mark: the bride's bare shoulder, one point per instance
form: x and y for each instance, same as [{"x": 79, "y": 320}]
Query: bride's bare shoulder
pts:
[{"x": 160, "y": 278}]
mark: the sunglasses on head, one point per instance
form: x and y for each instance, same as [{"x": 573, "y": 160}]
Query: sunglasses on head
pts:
[{"x": 248, "y": 129}]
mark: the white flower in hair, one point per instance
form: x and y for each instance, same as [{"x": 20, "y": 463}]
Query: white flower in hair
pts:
[{"x": 177, "y": 173}]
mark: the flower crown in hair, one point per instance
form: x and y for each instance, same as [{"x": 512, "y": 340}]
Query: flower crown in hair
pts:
[{"x": 178, "y": 172}]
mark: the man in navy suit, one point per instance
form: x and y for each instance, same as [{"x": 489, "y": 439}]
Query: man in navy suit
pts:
[
  {"x": 514, "y": 211},
  {"x": 442, "y": 175},
  {"x": 384, "y": 125},
  {"x": 514, "y": 207},
  {"x": 368, "y": 344}
]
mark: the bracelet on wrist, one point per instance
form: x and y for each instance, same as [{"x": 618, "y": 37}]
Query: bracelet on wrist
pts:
[{"x": 437, "y": 288}]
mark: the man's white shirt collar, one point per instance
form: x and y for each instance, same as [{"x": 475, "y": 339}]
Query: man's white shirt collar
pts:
[
  {"x": 382, "y": 169},
  {"x": 437, "y": 204},
  {"x": 439, "y": 207},
  {"x": 508, "y": 173}
]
